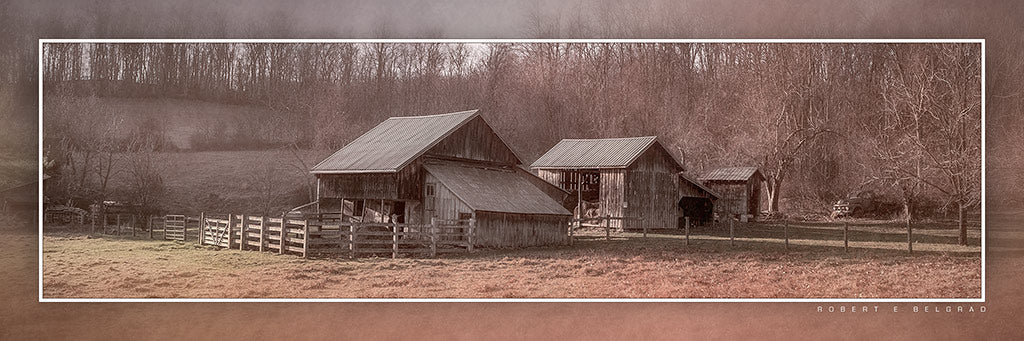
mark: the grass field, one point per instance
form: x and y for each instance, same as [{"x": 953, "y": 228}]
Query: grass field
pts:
[
  {"x": 228, "y": 181},
  {"x": 660, "y": 266}
]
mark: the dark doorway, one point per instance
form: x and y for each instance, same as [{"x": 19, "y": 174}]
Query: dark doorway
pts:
[{"x": 700, "y": 210}]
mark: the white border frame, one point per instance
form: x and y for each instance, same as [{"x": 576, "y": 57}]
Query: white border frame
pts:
[{"x": 492, "y": 41}]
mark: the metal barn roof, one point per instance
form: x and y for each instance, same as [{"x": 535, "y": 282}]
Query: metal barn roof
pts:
[
  {"x": 393, "y": 144},
  {"x": 495, "y": 190},
  {"x": 729, "y": 174},
  {"x": 594, "y": 153}
]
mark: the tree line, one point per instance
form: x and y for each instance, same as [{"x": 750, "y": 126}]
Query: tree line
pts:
[{"x": 819, "y": 120}]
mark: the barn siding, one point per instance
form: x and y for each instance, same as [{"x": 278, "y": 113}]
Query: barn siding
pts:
[
  {"x": 688, "y": 189},
  {"x": 734, "y": 197},
  {"x": 552, "y": 176},
  {"x": 364, "y": 186},
  {"x": 520, "y": 230},
  {"x": 652, "y": 191},
  {"x": 446, "y": 204},
  {"x": 475, "y": 141},
  {"x": 612, "y": 187},
  {"x": 410, "y": 181},
  {"x": 552, "y": 190}
]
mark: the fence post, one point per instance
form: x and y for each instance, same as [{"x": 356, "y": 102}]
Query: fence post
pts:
[
  {"x": 149, "y": 225},
  {"x": 394, "y": 240},
  {"x": 572, "y": 230},
  {"x": 305, "y": 238},
  {"x": 433, "y": 237},
  {"x": 134, "y": 221},
  {"x": 732, "y": 233},
  {"x": 351, "y": 240},
  {"x": 263, "y": 232},
  {"x": 607, "y": 228},
  {"x": 202, "y": 228},
  {"x": 846, "y": 236},
  {"x": 284, "y": 233},
  {"x": 118, "y": 229},
  {"x": 241, "y": 233},
  {"x": 910, "y": 238},
  {"x": 687, "y": 227},
  {"x": 785, "y": 232},
  {"x": 644, "y": 222},
  {"x": 231, "y": 226},
  {"x": 472, "y": 231}
]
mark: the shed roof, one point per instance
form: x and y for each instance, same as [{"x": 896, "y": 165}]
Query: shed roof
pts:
[
  {"x": 730, "y": 174},
  {"x": 595, "y": 153},
  {"x": 494, "y": 190},
  {"x": 393, "y": 144},
  {"x": 699, "y": 185}
]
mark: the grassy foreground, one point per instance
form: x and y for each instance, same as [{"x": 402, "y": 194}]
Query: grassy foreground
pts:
[{"x": 628, "y": 266}]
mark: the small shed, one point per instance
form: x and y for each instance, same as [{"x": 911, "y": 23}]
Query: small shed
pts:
[
  {"x": 740, "y": 190},
  {"x": 633, "y": 177},
  {"x": 450, "y": 166}
]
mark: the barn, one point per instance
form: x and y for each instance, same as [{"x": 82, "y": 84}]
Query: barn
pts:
[
  {"x": 632, "y": 177},
  {"x": 449, "y": 166},
  {"x": 740, "y": 190}
]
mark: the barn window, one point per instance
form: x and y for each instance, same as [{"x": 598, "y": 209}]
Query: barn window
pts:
[{"x": 428, "y": 201}]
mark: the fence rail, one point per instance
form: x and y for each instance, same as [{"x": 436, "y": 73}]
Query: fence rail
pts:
[{"x": 329, "y": 235}]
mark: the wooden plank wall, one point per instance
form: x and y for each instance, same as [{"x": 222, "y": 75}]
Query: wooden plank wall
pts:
[
  {"x": 652, "y": 191},
  {"x": 552, "y": 176},
  {"x": 734, "y": 197},
  {"x": 612, "y": 194},
  {"x": 446, "y": 205},
  {"x": 475, "y": 141},
  {"x": 508, "y": 230},
  {"x": 359, "y": 186}
]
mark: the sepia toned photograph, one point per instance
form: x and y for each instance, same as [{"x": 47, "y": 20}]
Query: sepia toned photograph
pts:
[{"x": 510, "y": 170}]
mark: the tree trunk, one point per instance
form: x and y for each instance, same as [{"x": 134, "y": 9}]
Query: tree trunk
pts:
[
  {"x": 773, "y": 194},
  {"x": 960, "y": 222},
  {"x": 910, "y": 231}
]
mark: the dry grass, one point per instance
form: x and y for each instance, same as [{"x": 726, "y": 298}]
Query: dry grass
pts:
[{"x": 77, "y": 265}]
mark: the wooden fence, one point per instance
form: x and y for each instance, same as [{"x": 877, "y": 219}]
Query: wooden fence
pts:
[
  {"x": 180, "y": 227},
  {"x": 597, "y": 222},
  {"x": 328, "y": 236}
]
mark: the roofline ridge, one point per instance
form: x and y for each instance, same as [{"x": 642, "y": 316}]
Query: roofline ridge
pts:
[
  {"x": 612, "y": 138},
  {"x": 474, "y": 111}
]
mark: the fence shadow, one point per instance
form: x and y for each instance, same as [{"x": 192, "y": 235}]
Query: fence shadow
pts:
[
  {"x": 670, "y": 245},
  {"x": 833, "y": 232}
]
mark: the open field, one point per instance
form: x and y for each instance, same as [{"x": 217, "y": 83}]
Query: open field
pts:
[
  {"x": 80, "y": 265},
  {"x": 230, "y": 180}
]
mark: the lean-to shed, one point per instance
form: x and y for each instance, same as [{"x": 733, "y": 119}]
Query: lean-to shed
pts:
[
  {"x": 632, "y": 177},
  {"x": 449, "y": 166},
  {"x": 740, "y": 190}
]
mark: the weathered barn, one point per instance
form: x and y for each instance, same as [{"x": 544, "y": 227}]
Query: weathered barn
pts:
[
  {"x": 622, "y": 177},
  {"x": 448, "y": 166},
  {"x": 740, "y": 190}
]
